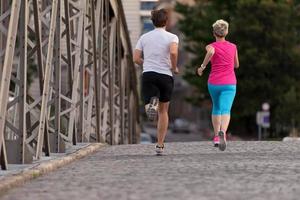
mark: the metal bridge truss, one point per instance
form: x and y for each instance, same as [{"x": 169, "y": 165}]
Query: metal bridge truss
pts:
[{"x": 86, "y": 90}]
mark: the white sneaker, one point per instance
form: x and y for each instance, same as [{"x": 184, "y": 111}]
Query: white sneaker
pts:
[
  {"x": 151, "y": 109},
  {"x": 159, "y": 149}
]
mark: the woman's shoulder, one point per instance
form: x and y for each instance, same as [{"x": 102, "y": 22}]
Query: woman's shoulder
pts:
[
  {"x": 211, "y": 44},
  {"x": 231, "y": 43},
  {"x": 220, "y": 44},
  {"x": 210, "y": 47}
]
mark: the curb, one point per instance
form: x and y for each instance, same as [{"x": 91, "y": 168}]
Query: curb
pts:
[
  {"x": 291, "y": 139},
  {"x": 11, "y": 181}
]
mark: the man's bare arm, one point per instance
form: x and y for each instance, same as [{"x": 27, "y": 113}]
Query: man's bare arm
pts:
[
  {"x": 174, "y": 57},
  {"x": 137, "y": 57}
]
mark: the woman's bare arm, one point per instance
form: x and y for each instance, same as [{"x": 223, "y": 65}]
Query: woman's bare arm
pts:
[
  {"x": 210, "y": 51},
  {"x": 236, "y": 60}
]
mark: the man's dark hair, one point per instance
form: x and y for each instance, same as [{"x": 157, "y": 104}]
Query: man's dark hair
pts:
[{"x": 159, "y": 17}]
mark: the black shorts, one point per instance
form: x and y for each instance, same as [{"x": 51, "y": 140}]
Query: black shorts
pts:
[{"x": 157, "y": 85}]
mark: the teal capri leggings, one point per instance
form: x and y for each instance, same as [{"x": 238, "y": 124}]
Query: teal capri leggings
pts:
[{"x": 222, "y": 97}]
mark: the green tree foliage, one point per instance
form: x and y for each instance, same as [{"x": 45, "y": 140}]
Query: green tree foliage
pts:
[{"x": 267, "y": 33}]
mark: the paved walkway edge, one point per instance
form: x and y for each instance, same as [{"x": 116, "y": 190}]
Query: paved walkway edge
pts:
[{"x": 18, "y": 179}]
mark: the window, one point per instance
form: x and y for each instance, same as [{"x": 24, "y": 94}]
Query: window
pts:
[
  {"x": 148, "y": 5},
  {"x": 146, "y": 24}
]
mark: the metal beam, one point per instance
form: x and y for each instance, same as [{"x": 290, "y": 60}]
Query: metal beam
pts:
[
  {"x": 41, "y": 134},
  {"x": 7, "y": 68},
  {"x": 85, "y": 82},
  {"x": 96, "y": 85}
]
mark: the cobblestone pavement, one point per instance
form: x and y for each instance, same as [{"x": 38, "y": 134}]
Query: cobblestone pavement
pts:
[
  {"x": 177, "y": 137},
  {"x": 188, "y": 171}
]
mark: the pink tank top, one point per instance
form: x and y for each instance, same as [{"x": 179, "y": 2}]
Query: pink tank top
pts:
[{"x": 222, "y": 64}]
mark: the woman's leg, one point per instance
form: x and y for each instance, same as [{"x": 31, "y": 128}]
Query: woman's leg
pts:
[
  {"x": 227, "y": 98},
  {"x": 217, "y": 122},
  {"x": 216, "y": 111},
  {"x": 225, "y": 120}
]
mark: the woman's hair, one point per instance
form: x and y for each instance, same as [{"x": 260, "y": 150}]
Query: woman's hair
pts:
[
  {"x": 159, "y": 17},
  {"x": 220, "y": 28}
]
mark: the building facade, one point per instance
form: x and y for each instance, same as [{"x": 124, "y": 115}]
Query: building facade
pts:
[
  {"x": 145, "y": 14},
  {"x": 132, "y": 13},
  {"x": 138, "y": 16}
]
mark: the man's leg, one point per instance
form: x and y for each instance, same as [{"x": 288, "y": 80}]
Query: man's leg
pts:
[
  {"x": 165, "y": 85},
  {"x": 163, "y": 122},
  {"x": 150, "y": 93},
  {"x": 151, "y": 108}
]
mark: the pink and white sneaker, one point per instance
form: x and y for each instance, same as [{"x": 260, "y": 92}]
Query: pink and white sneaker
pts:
[
  {"x": 216, "y": 141},
  {"x": 223, "y": 142}
]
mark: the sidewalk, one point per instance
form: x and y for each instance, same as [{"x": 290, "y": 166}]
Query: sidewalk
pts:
[
  {"x": 19, "y": 174},
  {"x": 188, "y": 171}
]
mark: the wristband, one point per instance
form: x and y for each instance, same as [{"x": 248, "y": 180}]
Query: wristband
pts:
[{"x": 203, "y": 67}]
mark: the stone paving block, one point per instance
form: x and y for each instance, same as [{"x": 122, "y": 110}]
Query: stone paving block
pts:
[
  {"x": 187, "y": 171},
  {"x": 19, "y": 174}
]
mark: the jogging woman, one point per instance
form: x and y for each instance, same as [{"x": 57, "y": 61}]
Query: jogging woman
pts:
[{"x": 222, "y": 81}]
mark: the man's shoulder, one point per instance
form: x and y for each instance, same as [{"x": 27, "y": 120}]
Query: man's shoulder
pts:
[
  {"x": 146, "y": 34},
  {"x": 172, "y": 35}
]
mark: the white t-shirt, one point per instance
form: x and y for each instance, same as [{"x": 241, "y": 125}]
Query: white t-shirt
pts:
[{"x": 156, "y": 49}]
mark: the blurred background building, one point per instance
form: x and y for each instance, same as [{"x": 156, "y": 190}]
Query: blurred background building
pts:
[
  {"x": 138, "y": 16},
  {"x": 132, "y": 12}
]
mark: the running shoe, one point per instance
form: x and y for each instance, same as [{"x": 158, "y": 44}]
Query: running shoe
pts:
[
  {"x": 216, "y": 141},
  {"x": 222, "y": 143},
  {"x": 151, "y": 111},
  {"x": 159, "y": 149}
]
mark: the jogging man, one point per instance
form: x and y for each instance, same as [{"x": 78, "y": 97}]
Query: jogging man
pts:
[{"x": 159, "y": 50}]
